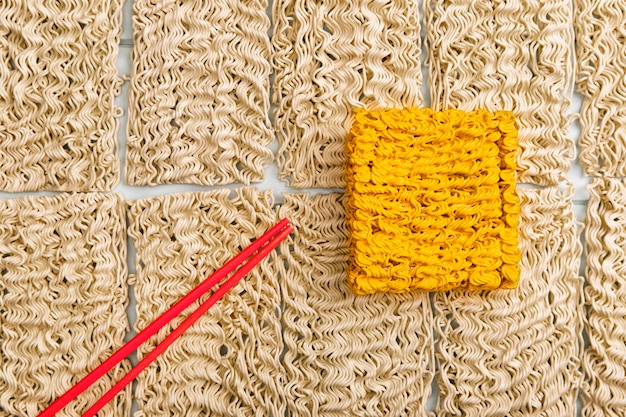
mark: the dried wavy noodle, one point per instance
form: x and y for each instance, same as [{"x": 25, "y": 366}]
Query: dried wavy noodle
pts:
[
  {"x": 228, "y": 362},
  {"x": 601, "y": 56},
  {"x": 63, "y": 295},
  {"x": 58, "y": 82},
  {"x": 508, "y": 55},
  {"x": 330, "y": 57},
  {"x": 517, "y": 352},
  {"x": 199, "y": 93},
  {"x": 346, "y": 354},
  {"x": 431, "y": 201},
  {"x": 604, "y": 361}
]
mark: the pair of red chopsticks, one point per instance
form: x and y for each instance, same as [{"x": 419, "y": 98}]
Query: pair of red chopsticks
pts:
[{"x": 246, "y": 260}]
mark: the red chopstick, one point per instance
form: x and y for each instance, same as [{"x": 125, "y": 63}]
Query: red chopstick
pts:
[{"x": 247, "y": 259}]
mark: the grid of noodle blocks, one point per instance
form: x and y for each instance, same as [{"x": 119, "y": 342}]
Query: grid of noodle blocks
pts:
[{"x": 292, "y": 336}]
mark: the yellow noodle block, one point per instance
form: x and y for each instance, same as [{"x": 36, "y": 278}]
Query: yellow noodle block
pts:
[{"x": 431, "y": 200}]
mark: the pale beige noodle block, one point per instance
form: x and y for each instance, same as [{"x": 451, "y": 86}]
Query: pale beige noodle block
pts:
[
  {"x": 346, "y": 354},
  {"x": 330, "y": 57},
  {"x": 228, "y": 362},
  {"x": 58, "y": 82},
  {"x": 199, "y": 92},
  {"x": 63, "y": 295},
  {"x": 601, "y": 57},
  {"x": 604, "y": 362},
  {"x": 517, "y": 352}
]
